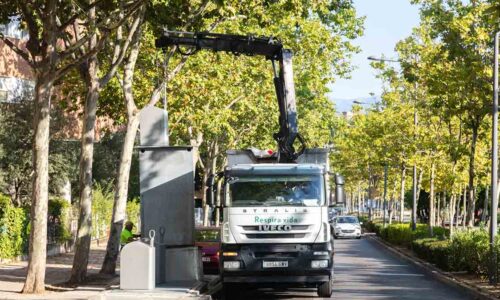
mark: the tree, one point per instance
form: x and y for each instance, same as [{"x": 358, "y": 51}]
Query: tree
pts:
[
  {"x": 46, "y": 22},
  {"x": 94, "y": 83}
]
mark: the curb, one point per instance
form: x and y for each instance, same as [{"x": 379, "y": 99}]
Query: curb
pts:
[
  {"x": 204, "y": 288},
  {"x": 213, "y": 286},
  {"x": 435, "y": 272}
]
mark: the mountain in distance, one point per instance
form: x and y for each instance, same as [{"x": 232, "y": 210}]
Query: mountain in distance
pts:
[{"x": 344, "y": 105}]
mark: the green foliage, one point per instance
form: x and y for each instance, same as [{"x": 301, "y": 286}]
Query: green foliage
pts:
[
  {"x": 469, "y": 251},
  {"x": 403, "y": 235},
  {"x": 106, "y": 159},
  {"x": 13, "y": 229},
  {"x": 133, "y": 211},
  {"x": 435, "y": 251},
  {"x": 102, "y": 209},
  {"x": 16, "y": 141},
  {"x": 59, "y": 218}
]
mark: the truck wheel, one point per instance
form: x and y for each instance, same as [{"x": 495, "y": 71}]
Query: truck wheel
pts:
[
  {"x": 325, "y": 289},
  {"x": 228, "y": 291}
]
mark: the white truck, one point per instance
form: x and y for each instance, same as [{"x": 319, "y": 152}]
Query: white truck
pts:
[{"x": 275, "y": 227}]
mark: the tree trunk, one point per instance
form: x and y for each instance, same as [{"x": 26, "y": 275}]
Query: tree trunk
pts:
[
  {"x": 432, "y": 212},
  {"x": 419, "y": 185},
  {"x": 451, "y": 213},
  {"x": 83, "y": 239},
  {"x": 472, "y": 174},
  {"x": 438, "y": 209},
  {"x": 363, "y": 201},
  {"x": 464, "y": 207},
  {"x": 218, "y": 205},
  {"x": 402, "y": 194},
  {"x": 443, "y": 206},
  {"x": 35, "y": 279},
  {"x": 122, "y": 180},
  {"x": 485, "y": 205},
  {"x": 121, "y": 195},
  {"x": 360, "y": 201},
  {"x": 210, "y": 168}
]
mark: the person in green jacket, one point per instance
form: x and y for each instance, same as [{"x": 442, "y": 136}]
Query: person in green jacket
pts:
[{"x": 127, "y": 236}]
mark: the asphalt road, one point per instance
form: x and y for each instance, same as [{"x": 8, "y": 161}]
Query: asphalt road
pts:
[{"x": 365, "y": 270}]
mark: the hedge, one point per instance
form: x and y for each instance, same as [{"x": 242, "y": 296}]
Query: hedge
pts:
[
  {"x": 468, "y": 250},
  {"x": 434, "y": 251},
  {"x": 402, "y": 235},
  {"x": 13, "y": 229},
  {"x": 59, "y": 214}
]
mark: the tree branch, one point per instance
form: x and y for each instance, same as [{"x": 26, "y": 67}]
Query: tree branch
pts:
[
  {"x": 104, "y": 29},
  {"x": 33, "y": 44},
  {"x": 134, "y": 38},
  {"x": 155, "y": 96},
  {"x": 17, "y": 50},
  {"x": 100, "y": 44},
  {"x": 75, "y": 17}
]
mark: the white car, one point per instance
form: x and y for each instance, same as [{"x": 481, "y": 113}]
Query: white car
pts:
[{"x": 346, "y": 226}]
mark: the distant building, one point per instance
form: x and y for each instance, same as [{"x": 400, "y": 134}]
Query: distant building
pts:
[{"x": 16, "y": 77}]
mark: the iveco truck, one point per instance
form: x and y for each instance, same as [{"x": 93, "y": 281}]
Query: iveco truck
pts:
[{"x": 275, "y": 227}]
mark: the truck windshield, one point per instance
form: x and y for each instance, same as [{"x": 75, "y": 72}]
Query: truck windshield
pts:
[{"x": 275, "y": 191}]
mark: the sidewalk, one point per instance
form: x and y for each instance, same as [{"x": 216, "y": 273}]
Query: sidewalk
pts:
[
  {"x": 58, "y": 271},
  {"x": 99, "y": 287}
]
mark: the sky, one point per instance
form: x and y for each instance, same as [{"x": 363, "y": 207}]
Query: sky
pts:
[{"x": 386, "y": 23}]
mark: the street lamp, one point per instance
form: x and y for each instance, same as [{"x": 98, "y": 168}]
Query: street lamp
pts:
[
  {"x": 415, "y": 123},
  {"x": 493, "y": 278}
]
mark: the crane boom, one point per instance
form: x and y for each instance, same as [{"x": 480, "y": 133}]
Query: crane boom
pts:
[{"x": 271, "y": 49}]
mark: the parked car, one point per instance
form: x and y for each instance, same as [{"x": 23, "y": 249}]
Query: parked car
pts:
[
  {"x": 346, "y": 226},
  {"x": 208, "y": 240}
]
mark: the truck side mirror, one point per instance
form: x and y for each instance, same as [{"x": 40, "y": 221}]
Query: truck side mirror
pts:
[
  {"x": 211, "y": 190},
  {"x": 339, "y": 189}
]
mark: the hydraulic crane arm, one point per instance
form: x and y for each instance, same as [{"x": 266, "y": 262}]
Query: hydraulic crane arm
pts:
[{"x": 271, "y": 49}]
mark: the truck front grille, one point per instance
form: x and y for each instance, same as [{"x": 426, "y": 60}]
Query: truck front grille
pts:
[
  {"x": 275, "y": 235},
  {"x": 276, "y": 254}
]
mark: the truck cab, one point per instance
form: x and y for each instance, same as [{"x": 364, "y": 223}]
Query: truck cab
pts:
[{"x": 275, "y": 227}]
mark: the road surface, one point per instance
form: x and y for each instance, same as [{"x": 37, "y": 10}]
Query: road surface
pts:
[{"x": 365, "y": 270}]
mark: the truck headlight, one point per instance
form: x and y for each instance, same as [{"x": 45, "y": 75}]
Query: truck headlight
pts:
[
  {"x": 317, "y": 264},
  {"x": 232, "y": 264},
  {"x": 226, "y": 233}
]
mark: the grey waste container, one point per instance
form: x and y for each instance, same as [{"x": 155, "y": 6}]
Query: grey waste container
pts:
[{"x": 137, "y": 266}]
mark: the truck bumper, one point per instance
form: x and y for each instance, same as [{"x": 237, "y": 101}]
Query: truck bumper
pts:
[{"x": 298, "y": 257}]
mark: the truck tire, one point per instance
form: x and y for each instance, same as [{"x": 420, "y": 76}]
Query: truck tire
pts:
[
  {"x": 229, "y": 291},
  {"x": 325, "y": 289}
]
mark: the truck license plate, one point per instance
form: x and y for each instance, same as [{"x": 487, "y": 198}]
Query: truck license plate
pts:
[
  {"x": 205, "y": 259},
  {"x": 275, "y": 264}
]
